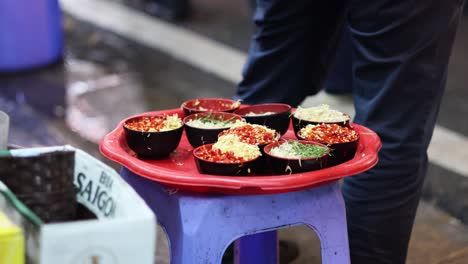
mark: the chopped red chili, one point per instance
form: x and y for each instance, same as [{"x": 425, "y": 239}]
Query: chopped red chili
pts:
[
  {"x": 146, "y": 124},
  {"x": 215, "y": 155},
  {"x": 212, "y": 105},
  {"x": 330, "y": 134},
  {"x": 251, "y": 134}
]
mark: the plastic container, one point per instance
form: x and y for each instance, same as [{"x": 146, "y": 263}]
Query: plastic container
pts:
[
  {"x": 30, "y": 34},
  {"x": 11, "y": 242}
]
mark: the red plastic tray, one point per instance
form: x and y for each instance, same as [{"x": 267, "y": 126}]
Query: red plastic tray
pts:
[{"x": 179, "y": 170}]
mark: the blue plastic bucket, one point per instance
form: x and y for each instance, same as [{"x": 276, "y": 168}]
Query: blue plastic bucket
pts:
[{"x": 30, "y": 34}]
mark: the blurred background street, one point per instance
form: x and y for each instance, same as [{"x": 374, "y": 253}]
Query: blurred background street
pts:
[{"x": 120, "y": 61}]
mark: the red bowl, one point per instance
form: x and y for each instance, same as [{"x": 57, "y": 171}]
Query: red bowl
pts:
[
  {"x": 277, "y": 120},
  {"x": 199, "y": 105},
  {"x": 152, "y": 145},
  {"x": 284, "y": 165},
  {"x": 245, "y": 168},
  {"x": 198, "y": 136}
]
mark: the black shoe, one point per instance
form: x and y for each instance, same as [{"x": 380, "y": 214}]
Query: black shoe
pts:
[{"x": 288, "y": 251}]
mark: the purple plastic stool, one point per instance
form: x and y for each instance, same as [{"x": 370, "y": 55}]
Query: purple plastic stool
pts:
[
  {"x": 30, "y": 34},
  {"x": 200, "y": 226}
]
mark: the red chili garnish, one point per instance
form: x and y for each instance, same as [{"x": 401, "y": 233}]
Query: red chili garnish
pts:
[
  {"x": 146, "y": 123},
  {"x": 251, "y": 134},
  {"x": 215, "y": 155},
  {"x": 331, "y": 134},
  {"x": 212, "y": 105}
]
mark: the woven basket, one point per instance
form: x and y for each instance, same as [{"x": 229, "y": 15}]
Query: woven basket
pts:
[
  {"x": 48, "y": 172},
  {"x": 53, "y": 206},
  {"x": 44, "y": 183}
]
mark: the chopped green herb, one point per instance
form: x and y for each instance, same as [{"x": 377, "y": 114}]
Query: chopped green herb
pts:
[
  {"x": 294, "y": 149},
  {"x": 212, "y": 121},
  {"x": 307, "y": 150}
]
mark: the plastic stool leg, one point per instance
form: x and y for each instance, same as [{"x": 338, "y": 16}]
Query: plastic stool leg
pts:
[
  {"x": 329, "y": 223},
  {"x": 259, "y": 248},
  {"x": 198, "y": 249}
]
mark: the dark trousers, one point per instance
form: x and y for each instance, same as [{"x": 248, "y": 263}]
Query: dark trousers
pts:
[
  {"x": 400, "y": 52},
  {"x": 340, "y": 76}
]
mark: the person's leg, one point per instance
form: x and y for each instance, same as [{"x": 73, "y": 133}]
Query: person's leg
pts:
[
  {"x": 291, "y": 50},
  {"x": 401, "y": 52},
  {"x": 340, "y": 77}
]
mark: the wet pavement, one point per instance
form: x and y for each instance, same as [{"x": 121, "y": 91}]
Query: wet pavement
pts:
[{"x": 106, "y": 77}]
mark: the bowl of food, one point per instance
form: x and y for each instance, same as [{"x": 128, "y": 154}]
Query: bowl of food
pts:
[
  {"x": 295, "y": 156},
  {"x": 203, "y": 128},
  {"x": 228, "y": 156},
  {"x": 252, "y": 134},
  {"x": 200, "y": 105},
  {"x": 274, "y": 115},
  {"x": 343, "y": 141},
  {"x": 256, "y": 135},
  {"x": 153, "y": 136},
  {"x": 321, "y": 114}
]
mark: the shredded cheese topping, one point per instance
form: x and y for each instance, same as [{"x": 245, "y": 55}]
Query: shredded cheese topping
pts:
[
  {"x": 171, "y": 122},
  {"x": 259, "y": 114},
  {"x": 321, "y": 113},
  {"x": 232, "y": 143},
  {"x": 251, "y": 133}
]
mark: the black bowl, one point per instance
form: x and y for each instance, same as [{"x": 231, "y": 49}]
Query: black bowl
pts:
[
  {"x": 245, "y": 168},
  {"x": 299, "y": 123},
  {"x": 284, "y": 165},
  {"x": 152, "y": 145},
  {"x": 198, "y": 136},
  {"x": 340, "y": 152},
  {"x": 200, "y": 105},
  {"x": 277, "y": 120},
  {"x": 262, "y": 162}
]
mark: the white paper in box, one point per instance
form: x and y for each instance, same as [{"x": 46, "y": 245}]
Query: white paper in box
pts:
[{"x": 125, "y": 231}]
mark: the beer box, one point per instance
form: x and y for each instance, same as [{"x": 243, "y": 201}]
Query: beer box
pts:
[{"x": 124, "y": 231}]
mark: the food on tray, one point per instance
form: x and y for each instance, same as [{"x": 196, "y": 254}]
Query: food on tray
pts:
[
  {"x": 294, "y": 156},
  {"x": 229, "y": 149},
  {"x": 272, "y": 115},
  {"x": 154, "y": 123},
  {"x": 293, "y": 149},
  {"x": 212, "y": 121},
  {"x": 203, "y": 128},
  {"x": 203, "y": 105},
  {"x": 329, "y": 133},
  {"x": 321, "y": 113},
  {"x": 209, "y": 105},
  {"x": 251, "y": 133},
  {"x": 260, "y": 114},
  {"x": 153, "y": 136}
]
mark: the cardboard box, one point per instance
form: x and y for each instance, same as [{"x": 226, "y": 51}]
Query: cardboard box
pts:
[{"x": 124, "y": 231}]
